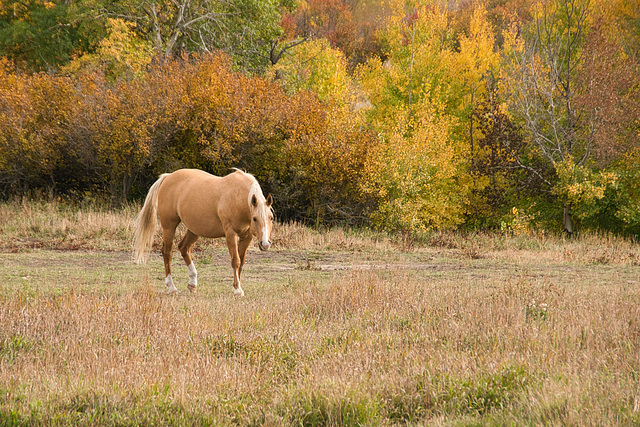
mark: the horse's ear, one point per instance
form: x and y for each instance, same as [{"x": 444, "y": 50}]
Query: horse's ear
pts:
[
  {"x": 254, "y": 201},
  {"x": 269, "y": 200}
]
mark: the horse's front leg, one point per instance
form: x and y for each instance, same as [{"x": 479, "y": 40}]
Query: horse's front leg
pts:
[
  {"x": 232, "y": 244},
  {"x": 243, "y": 245}
]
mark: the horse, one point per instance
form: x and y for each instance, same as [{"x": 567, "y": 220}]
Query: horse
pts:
[{"x": 210, "y": 206}]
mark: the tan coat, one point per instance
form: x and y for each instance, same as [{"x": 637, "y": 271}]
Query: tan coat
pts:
[{"x": 232, "y": 206}]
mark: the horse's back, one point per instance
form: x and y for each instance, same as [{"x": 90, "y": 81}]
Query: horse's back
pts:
[
  {"x": 203, "y": 201},
  {"x": 184, "y": 177},
  {"x": 178, "y": 186}
]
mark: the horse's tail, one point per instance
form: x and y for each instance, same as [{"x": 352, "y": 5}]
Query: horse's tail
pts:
[{"x": 146, "y": 222}]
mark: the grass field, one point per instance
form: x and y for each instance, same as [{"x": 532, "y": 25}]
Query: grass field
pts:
[{"x": 337, "y": 327}]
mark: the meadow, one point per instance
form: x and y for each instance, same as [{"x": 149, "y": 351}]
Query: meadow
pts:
[{"x": 338, "y": 327}]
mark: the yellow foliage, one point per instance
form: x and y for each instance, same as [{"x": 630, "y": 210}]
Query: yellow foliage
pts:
[
  {"x": 520, "y": 222},
  {"x": 421, "y": 95},
  {"x": 582, "y": 187},
  {"x": 121, "y": 54},
  {"x": 316, "y": 67},
  {"x": 33, "y": 109},
  {"x": 477, "y": 53},
  {"x": 416, "y": 177}
]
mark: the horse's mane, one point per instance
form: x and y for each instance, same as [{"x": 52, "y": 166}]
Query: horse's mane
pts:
[{"x": 256, "y": 190}]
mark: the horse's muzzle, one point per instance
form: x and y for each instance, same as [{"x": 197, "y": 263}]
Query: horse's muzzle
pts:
[{"x": 264, "y": 247}]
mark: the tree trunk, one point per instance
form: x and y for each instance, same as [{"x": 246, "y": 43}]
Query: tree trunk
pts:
[{"x": 568, "y": 221}]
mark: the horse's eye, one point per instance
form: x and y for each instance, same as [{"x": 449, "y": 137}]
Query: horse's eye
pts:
[{"x": 255, "y": 218}]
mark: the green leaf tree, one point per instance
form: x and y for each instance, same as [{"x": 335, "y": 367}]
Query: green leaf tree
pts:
[
  {"x": 242, "y": 28},
  {"x": 120, "y": 55},
  {"x": 38, "y": 34}
]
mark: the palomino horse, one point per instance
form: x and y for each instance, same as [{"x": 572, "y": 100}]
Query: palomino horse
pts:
[{"x": 210, "y": 206}]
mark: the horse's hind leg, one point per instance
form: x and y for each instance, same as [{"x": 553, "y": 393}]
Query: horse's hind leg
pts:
[
  {"x": 167, "y": 248},
  {"x": 185, "y": 246}
]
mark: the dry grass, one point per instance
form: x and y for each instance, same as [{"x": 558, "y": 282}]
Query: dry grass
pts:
[
  {"x": 26, "y": 224},
  {"x": 467, "y": 329}
]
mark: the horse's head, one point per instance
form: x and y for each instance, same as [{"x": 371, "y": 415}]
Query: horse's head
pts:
[{"x": 262, "y": 220}]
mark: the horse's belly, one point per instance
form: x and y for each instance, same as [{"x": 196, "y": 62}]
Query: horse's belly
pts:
[
  {"x": 207, "y": 205},
  {"x": 203, "y": 226}
]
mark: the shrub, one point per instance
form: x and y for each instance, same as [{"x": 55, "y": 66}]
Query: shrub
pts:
[{"x": 75, "y": 135}]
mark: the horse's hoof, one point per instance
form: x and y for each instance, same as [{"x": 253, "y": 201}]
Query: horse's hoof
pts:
[
  {"x": 172, "y": 291},
  {"x": 192, "y": 288},
  {"x": 238, "y": 292}
]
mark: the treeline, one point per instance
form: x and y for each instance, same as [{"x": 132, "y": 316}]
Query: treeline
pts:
[
  {"x": 84, "y": 136},
  {"x": 412, "y": 116}
]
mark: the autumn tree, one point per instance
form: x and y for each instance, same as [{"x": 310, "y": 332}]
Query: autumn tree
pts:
[
  {"x": 500, "y": 15},
  {"x": 498, "y": 181},
  {"x": 349, "y": 26},
  {"x": 611, "y": 78},
  {"x": 334, "y": 160},
  {"x": 36, "y": 147},
  {"x": 548, "y": 94},
  {"x": 610, "y": 94},
  {"x": 325, "y": 19},
  {"x": 422, "y": 97}
]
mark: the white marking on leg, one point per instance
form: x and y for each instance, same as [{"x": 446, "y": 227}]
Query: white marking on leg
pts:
[
  {"x": 168, "y": 281},
  {"x": 238, "y": 292},
  {"x": 193, "y": 277}
]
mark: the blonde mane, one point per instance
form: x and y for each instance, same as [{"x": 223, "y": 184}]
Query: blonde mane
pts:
[
  {"x": 208, "y": 206},
  {"x": 256, "y": 190}
]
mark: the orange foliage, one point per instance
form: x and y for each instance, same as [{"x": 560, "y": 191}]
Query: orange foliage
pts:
[{"x": 85, "y": 134}]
